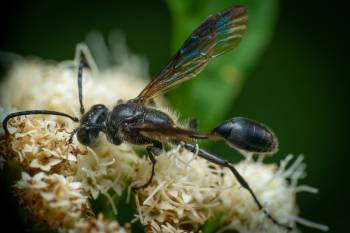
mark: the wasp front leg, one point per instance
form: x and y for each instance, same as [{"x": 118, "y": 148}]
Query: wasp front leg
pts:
[{"x": 152, "y": 152}]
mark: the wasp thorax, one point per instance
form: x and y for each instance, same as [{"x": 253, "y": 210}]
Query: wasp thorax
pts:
[
  {"x": 248, "y": 135},
  {"x": 128, "y": 112}
]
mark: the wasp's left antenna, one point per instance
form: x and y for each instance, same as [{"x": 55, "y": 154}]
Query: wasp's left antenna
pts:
[{"x": 35, "y": 112}]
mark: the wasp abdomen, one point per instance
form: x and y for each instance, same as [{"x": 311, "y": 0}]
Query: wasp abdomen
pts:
[{"x": 246, "y": 134}]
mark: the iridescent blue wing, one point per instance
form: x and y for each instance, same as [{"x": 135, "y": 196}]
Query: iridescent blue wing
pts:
[{"x": 217, "y": 35}]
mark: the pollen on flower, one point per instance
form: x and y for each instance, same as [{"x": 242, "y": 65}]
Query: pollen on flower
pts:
[
  {"x": 55, "y": 199},
  {"x": 40, "y": 145},
  {"x": 182, "y": 195},
  {"x": 99, "y": 224}
]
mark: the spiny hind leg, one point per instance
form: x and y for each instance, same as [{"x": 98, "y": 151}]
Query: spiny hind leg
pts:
[
  {"x": 152, "y": 152},
  {"x": 221, "y": 162}
]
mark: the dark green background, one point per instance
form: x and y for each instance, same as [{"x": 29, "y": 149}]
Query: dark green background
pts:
[{"x": 299, "y": 86}]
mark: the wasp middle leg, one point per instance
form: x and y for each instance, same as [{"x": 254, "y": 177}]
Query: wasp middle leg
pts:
[{"x": 152, "y": 151}]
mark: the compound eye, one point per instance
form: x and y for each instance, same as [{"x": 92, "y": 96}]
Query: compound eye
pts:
[{"x": 87, "y": 137}]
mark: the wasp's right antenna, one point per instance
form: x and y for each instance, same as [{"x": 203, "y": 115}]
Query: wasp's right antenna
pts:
[
  {"x": 80, "y": 77},
  {"x": 82, "y": 64},
  {"x": 84, "y": 59},
  {"x": 35, "y": 112}
]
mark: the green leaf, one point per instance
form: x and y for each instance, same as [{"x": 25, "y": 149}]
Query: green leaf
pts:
[
  {"x": 211, "y": 97},
  {"x": 213, "y": 224}
]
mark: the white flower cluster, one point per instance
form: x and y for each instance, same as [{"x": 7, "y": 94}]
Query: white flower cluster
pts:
[
  {"x": 42, "y": 145},
  {"x": 272, "y": 187},
  {"x": 99, "y": 224},
  {"x": 57, "y": 199},
  {"x": 58, "y": 178},
  {"x": 184, "y": 192},
  {"x": 106, "y": 168},
  {"x": 39, "y": 144}
]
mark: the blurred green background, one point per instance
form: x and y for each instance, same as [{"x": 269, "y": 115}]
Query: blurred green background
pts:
[{"x": 288, "y": 72}]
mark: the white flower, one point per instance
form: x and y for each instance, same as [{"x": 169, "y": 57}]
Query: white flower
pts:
[
  {"x": 58, "y": 200},
  {"x": 106, "y": 168},
  {"x": 182, "y": 195},
  {"x": 41, "y": 145},
  {"x": 98, "y": 225},
  {"x": 276, "y": 188}
]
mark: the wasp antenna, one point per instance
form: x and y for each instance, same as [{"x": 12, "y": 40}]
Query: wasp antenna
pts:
[
  {"x": 84, "y": 59},
  {"x": 35, "y": 112},
  {"x": 82, "y": 64}
]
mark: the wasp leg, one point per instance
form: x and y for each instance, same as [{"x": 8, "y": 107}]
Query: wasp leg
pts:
[
  {"x": 152, "y": 151},
  {"x": 71, "y": 135},
  {"x": 224, "y": 163}
]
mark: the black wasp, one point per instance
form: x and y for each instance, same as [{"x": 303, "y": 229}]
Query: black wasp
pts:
[{"x": 137, "y": 121}]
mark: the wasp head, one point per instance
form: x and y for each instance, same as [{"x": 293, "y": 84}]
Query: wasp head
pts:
[{"x": 91, "y": 123}]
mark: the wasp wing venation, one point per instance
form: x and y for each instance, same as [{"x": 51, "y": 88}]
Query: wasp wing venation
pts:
[{"x": 215, "y": 36}]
